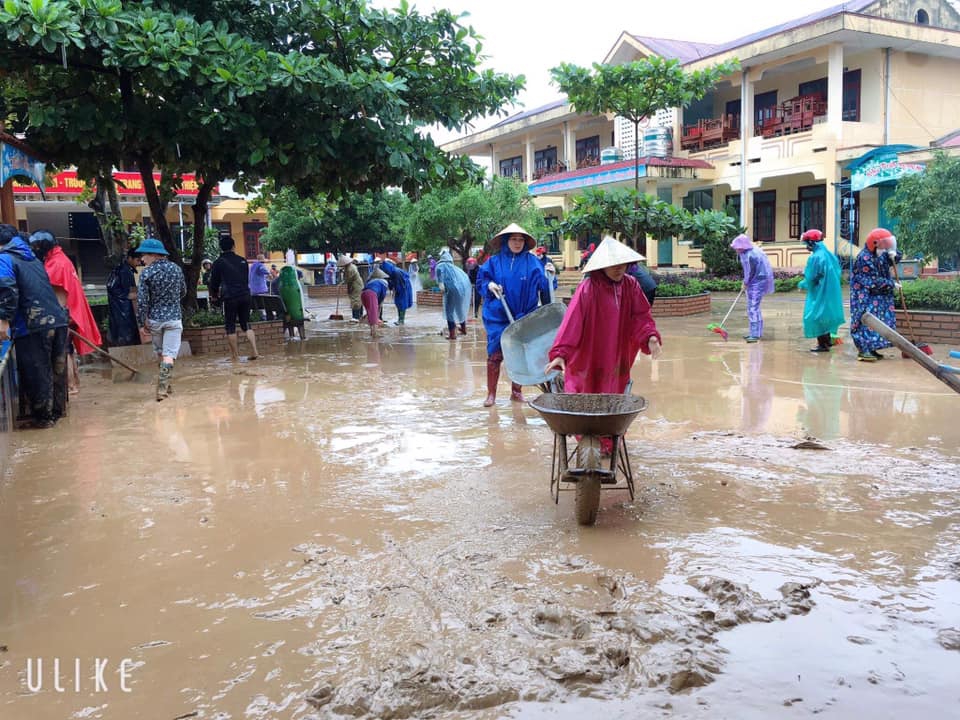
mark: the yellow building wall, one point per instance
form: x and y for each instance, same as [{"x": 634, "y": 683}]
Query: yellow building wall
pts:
[{"x": 925, "y": 97}]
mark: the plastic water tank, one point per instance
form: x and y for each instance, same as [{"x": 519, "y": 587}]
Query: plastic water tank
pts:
[
  {"x": 658, "y": 142},
  {"x": 610, "y": 155}
]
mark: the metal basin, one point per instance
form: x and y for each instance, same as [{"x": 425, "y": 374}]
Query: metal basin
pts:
[
  {"x": 526, "y": 344},
  {"x": 589, "y": 413}
]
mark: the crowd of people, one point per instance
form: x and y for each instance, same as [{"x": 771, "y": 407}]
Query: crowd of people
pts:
[{"x": 608, "y": 323}]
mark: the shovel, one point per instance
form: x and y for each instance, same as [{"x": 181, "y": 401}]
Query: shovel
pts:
[
  {"x": 336, "y": 315},
  {"x": 133, "y": 370}
]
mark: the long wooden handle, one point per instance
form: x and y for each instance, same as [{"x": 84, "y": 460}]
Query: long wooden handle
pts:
[
  {"x": 903, "y": 304},
  {"x": 102, "y": 351},
  {"x": 735, "y": 300}
]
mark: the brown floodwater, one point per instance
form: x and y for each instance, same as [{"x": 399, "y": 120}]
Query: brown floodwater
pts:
[{"x": 340, "y": 529}]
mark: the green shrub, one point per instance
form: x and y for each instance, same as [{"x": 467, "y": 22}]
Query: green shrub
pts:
[
  {"x": 97, "y": 300},
  {"x": 787, "y": 284},
  {"x": 932, "y": 294}
]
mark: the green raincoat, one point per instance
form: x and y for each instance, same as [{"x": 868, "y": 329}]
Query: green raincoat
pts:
[{"x": 823, "y": 308}]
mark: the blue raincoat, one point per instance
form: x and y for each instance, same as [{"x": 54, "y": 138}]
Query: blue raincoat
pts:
[
  {"x": 456, "y": 288},
  {"x": 524, "y": 284},
  {"x": 378, "y": 286},
  {"x": 823, "y": 307},
  {"x": 399, "y": 282}
]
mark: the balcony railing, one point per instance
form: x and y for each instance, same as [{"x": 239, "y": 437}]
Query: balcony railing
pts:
[
  {"x": 561, "y": 167},
  {"x": 710, "y": 132},
  {"x": 797, "y": 114}
]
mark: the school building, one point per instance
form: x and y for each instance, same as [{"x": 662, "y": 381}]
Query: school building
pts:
[{"x": 814, "y": 130}]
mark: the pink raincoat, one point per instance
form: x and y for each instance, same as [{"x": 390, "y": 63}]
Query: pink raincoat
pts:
[{"x": 604, "y": 328}]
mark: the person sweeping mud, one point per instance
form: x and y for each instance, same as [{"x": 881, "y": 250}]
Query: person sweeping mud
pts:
[
  {"x": 66, "y": 284},
  {"x": 823, "y": 306},
  {"x": 455, "y": 286},
  {"x": 372, "y": 297},
  {"x": 229, "y": 284},
  {"x": 871, "y": 290},
  {"x": 353, "y": 283},
  {"x": 399, "y": 282},
  {"x": 515, "y": 274},
  {"x": 757, "y": 281},
  {"x": 607, "y": 324},
  {"x": 162, "y": 286}
]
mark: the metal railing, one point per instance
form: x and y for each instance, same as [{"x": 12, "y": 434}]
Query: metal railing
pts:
[{"x": 8, "y": 388}]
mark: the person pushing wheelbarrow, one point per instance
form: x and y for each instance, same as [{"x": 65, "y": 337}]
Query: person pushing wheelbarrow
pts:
[{"x": 607, "y": 324}]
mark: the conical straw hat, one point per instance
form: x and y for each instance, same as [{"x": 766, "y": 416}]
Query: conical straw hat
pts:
[
  {"x": 511, "y": 229},
  {"x": 609, "y": 253}
]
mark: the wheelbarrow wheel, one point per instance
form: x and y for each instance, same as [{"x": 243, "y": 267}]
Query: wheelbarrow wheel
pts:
[{"x": 587, "y": 500}]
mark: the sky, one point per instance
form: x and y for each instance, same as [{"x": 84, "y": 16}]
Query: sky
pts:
[{"x": 529, "y": 37}]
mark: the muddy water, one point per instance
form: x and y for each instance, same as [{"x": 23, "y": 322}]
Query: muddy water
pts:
[{"x": 339, "y": 529}]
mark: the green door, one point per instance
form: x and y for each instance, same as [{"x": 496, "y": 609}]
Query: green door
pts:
[{"x": 665, "y": 252}]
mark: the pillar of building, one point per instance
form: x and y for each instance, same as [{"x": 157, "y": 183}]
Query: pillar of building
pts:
[
  {"x": 528, "y": 160},
  {"x": 835, "y": 88}
]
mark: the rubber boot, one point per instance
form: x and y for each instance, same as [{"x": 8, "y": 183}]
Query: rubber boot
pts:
[
  {"x": 516, "y": 393},
  {"x": 451, "y": 331},
  {"x": 401, "y": 316},
  {"x": 493, "y": 377},
  {"x": 463, "y": 328},
  {"x": 163, "y": 381}
]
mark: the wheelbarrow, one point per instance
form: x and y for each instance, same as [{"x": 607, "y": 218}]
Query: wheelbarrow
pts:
[
  {"x": 526, "y": 344},
  {"x": 589, "y": 417}
]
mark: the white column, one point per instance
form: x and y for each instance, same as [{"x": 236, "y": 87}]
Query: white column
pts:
[
  {"x": 528, "y": 160},
  {"x": 746, "y": 134},
  {"x": 835, "y": 89},
  {"x": 494, "y": 166},
  {"x": 570, "y": 144}
]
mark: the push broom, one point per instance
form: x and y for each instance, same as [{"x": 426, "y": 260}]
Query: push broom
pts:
[{"x": 718, "y": 329}]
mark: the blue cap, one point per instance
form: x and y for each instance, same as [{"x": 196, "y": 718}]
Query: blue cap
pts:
[{"x": 151, "y": 246}]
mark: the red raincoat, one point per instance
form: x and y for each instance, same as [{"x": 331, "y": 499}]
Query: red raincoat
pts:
[
  {"x": 605, "y": 326},
  {"x": 63, "y": 275}
]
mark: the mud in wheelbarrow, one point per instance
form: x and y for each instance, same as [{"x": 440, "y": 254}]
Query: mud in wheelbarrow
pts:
[
  {"x": 526, "y": 344},
  {"x": 589, "y": 413}
]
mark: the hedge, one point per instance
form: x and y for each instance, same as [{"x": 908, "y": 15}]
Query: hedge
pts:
[{"x": 932, "y": 295}]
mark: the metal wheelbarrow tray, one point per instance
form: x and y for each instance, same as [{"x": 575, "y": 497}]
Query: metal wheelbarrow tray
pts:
[
  {"x": 526, "y": 344},
  {"x": 597, "y": 414}
]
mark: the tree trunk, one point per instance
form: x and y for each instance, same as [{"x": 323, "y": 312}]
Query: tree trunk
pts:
[
  {"x": 192, "y": 269},
  {"x": 157, "y": 207},
  {"x": 636, "y": 180},
  {"x": 106, "y": 208}
]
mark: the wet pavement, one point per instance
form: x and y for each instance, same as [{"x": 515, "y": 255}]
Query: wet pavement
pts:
[{"x": 340, "y": 529}]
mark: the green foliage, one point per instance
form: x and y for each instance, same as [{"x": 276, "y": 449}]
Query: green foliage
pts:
[
  {"x": 678, "y": 285},
  {"x": 715, "y": 229},
  {"x": 327, "y": 96},
  {"x": 788, "y": 284},
  {"x": 926, "y": 207},
  {"x": 211, "y": 244},
  {"x": 471, "y": 214},
  {"x": 624, "y": 212},
  {"x": 212, "y": 318},
  {"x": 357, "y": 222},
  {"x": 638, "y": 89},
  {"x": 93, "y": 300},
  {"x": 932, "y": 295}
]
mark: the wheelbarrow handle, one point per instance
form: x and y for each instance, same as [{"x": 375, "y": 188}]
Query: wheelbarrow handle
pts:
[{"x": 503, "y": 300}]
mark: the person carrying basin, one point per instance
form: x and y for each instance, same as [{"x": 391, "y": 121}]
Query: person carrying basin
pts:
[
  {"x": 607, "y": 324},
  {"x": 516, "y": 275},
  {"x": 455, "y": 286}
]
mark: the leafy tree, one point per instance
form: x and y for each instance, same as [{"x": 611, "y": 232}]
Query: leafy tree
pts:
[
  {"x": 624, "y": 212},
  {"x": 461, "y": 218},
  {"x": 636, "y": 90},
  {"x": 371, "y": 221},
  {"x": 926, "y": 207},
  {"x": 715, "y": 229},
  {"x": 322, "y": 95}
]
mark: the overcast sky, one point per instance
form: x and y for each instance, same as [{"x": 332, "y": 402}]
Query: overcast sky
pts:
[{"x": 529, "y": 37}]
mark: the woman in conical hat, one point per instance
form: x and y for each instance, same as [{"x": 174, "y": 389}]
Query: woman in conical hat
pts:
[
  {"x": 517, "y": 274},
  {"x": 607, "y": 324}
]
